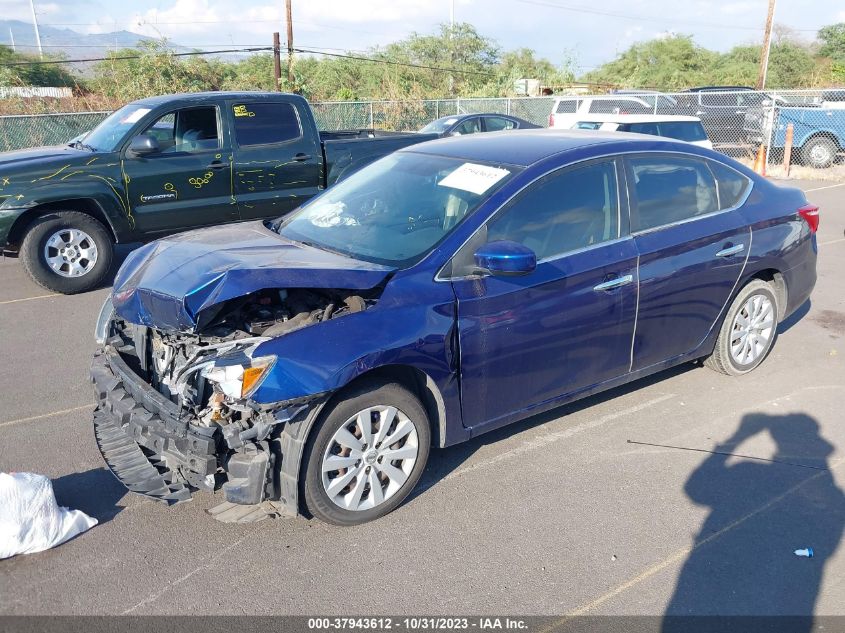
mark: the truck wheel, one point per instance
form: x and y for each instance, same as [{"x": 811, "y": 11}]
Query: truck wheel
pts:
[
  {"x": 67, "y": 252},
  {"x": 367, "y": 455},
  {"x": 819, "y": 152},
  {"x": 748, "y": 332}
]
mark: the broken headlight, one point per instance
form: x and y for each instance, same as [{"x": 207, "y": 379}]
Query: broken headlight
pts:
[
  {"x": 239, "y": 376},
  {"x": 101, "y": 330}
]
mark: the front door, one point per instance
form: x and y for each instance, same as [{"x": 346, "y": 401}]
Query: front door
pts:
[
  {"x": 527, "y": 341},
  {"x": 692, "y": 251},
  {"x": 187, "y": 182},
  {"x": 277, "y": 166}
]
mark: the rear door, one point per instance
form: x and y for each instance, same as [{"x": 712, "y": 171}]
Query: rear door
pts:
[
  {"x": 276, "y": 164},
  {"x": 498, "y": 123},
  {"x": 692, "y": 245},
  {"x": 527, "y": 341}
]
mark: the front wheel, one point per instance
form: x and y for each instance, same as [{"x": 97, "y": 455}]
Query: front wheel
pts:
[
  {"x": 819, "y": 152},
  {"x": 367, "y": 455},
  {"x": 67, "y": 252},
  {"x": 748, "y": 332}
]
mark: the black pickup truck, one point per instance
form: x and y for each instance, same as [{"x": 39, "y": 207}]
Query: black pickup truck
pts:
[{"x": 167, "y": 164}]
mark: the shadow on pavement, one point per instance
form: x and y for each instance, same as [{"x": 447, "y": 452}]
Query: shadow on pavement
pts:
[
  {"x": 95, "y": 492},
  {"x": 743, "y": 562},
  {"x": 795, "y": 317}
]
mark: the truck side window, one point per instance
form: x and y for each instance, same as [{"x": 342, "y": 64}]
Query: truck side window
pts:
[
  {"x": 189, "y": 130},
  {"x": 265, "y": 123}
]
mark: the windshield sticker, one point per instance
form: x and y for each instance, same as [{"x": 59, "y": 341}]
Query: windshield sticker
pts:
[
  {"x": 136, "y": 116},
  {"x": 333, "y": 216},
  {"x": 473, "y": 177}
]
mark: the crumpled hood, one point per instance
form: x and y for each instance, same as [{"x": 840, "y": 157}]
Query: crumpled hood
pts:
[{"x": 168, "y": 283}]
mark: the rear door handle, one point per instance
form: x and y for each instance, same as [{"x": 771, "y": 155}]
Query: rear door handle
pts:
[
  {"x": 302, "y": 157},
  {"x": 731, "y": 250},
  {"x": 614, "y": 283},
  {"x": 216, "y": 165}
]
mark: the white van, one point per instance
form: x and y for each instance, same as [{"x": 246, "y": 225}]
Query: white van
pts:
[
  {"x": 568, "y": 110},
  {"x": 682, "y": 128}
]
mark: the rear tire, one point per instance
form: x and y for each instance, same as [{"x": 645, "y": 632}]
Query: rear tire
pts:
[
  {"x": 819, "y": 152},
  {"x": 67, "y": 252},
  {"x": 364, "y": 456},
  {"x": 748, "y": 332}
]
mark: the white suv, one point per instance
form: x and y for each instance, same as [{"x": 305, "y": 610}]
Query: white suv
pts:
[
  {"x": 568, "y": 110},
  {"x": 682, "y": 128}
]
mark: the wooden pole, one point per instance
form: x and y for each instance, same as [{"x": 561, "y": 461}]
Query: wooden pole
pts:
[
  {"x": 767, "y": 46},
  {"x": 787, "y": 148},
  {"x": 277, "y": 62},
  {"x": 290, "y": 45}
]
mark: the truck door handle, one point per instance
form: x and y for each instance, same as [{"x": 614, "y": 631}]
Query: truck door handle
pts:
[
  {"x": 731, "y": 250},
  {"x": 614, "y": 283},
  {"x": 302, "y": 157},
  {"x": 216, "y": 165}
]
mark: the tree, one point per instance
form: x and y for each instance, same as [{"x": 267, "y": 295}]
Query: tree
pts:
[
  {"x": 832, "y": 38},
  {"x": 32, "y": 73}
]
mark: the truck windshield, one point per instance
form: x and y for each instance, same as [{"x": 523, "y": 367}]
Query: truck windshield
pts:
[
  {"x": 108, "y": 135},
  {"x": 396, "y": 210}
]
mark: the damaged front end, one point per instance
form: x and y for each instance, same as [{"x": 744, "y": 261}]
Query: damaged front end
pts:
[{"x": 175, "y": 412}]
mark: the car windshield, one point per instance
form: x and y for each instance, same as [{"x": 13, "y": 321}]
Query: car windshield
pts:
[
  {"x": 108, "y": 135},
  {"x": 396, "y": 210},
  {"x": 439, "y": 125}
]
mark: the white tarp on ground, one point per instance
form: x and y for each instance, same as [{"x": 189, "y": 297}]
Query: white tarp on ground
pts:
[{"x": 31, "y": 520}]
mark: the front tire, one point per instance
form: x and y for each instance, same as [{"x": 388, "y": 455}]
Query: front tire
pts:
[
  {"x": 748, "y": 332},
  {"x": 67, "y": 252},
  {"x": 819, "y": 152},
  {"x": 367, "y": 454}
]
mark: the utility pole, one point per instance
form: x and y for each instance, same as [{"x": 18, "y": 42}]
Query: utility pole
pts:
[
  {"x": 290, "y": 45},
  {"x": 37, "y": 34},
  {"x": 277, "y": 62},
  {"x": 767, "y": 46},
  {"x": 12, "y": 37},
  {"x": 451, "y": 46}
]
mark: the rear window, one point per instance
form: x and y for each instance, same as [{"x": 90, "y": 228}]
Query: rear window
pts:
[
  {"x": 731, "y": 184},
  {"x": 565, "y": 106},
  {"x": 618, "y": 106},
  {"x": 683, "y": 130},
  {"x": 265, "y": 123}
]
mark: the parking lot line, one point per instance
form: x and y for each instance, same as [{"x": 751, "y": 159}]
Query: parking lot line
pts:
[
  {"x": 841, "y": 184},
  {"x": 681, "y": 554},
  {"x": 548, "y": 438},
  {"x": 45, "y": 415},
  {"x": 841, "y": 239},
  {"x": 27, "y": 299}
]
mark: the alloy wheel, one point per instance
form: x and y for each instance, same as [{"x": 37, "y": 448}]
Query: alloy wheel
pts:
[
  {"x": 70, "y": 252},
  {"x": 752, "y": 329}
]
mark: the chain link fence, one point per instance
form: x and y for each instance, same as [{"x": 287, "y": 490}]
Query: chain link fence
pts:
[{"x": 737, "y": 122}]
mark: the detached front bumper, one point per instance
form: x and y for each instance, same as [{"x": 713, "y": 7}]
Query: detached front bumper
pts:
[{"x": 144, "y": 439}]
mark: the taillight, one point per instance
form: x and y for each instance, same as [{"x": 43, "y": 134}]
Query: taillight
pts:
[
  {"x": 552, "y": 119},
  {"x": 810, "y": 214}
]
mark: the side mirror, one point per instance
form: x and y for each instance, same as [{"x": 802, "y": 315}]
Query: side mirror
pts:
[
  {"x": 504, "y": 257},
  {"x": 143, "y": 144}
]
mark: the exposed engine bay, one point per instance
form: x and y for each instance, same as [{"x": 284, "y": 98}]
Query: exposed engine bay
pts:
[{"x": 203, "y": 383}]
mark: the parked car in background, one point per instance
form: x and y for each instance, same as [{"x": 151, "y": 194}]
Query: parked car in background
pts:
[
  {"x": 722, "y": 110},
  {"x": 446, "y": 290},
  {"x": 682, "y": 128},
  {"x": 461, "y": 124},
  {"x": 567, "y": 110},
  {"x": 167, "y": 164},
  {"x": 818, "y": 129},
  {"x": 661, "y": 103}
]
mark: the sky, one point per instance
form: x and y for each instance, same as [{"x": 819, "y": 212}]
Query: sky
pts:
[{"x": 587, "y": 33}]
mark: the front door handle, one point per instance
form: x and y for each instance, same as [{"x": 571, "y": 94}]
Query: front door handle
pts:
[
  {"x": 216, "y": 165},
  {"x": 302, "y": 157},
  {"x": 614, "y": 283},
  {"x": 731, "y": 250}
]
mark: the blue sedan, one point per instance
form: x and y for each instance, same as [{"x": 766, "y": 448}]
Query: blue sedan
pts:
[{"x": 307, "y": 365}]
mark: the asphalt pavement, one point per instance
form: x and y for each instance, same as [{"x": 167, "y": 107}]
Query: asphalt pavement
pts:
[{"x": 609, "y": 506}]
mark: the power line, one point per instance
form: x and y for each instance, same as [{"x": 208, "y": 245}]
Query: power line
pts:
[
  {"x": 395, "y": 63},
  {"x": 629, "y": 16},
  {"x": 124, "y": 57}
]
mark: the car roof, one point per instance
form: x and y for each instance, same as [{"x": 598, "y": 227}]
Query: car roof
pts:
[
  {"x": 187, "y": 97},
  {"x": 526, "y": 147},
  {"x": 636, "y": 118}
]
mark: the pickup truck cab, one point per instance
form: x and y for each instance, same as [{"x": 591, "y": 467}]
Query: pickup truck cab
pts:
[{"x": 166, "y": 164}]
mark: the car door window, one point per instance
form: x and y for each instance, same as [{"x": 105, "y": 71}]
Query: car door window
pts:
[
  {"x": 689, "y": 131},
  {"x": 671, "y": 189},
  {"x": 618, "y": 106},
  {"x": 587, "y": 125},
  {"x": 470, "y": 126},
  {"x": 189, "y": 131},
  {"x": 641, "y": 128},
  {"x": 265, "y": 123},
  {"x": 732, "y": 185},
  {"x": 566, "y": 106},
  {"x": 564, "y": 211},
  {"x": 497, "y": 123}
]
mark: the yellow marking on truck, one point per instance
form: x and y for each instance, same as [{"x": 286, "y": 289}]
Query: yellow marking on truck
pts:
[
  {"x": 128, "y": 206},
  {"x": 53, "y": 174},
  {"x": 71, "y": 174},
  {"x": 125, "y": 206},
  {"x": 5, "y": 181},
  {"x": 92, "y": 160}
]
